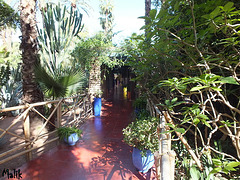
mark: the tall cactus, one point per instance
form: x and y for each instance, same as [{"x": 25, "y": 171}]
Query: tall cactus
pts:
[
  {"x": 60, "y": 26},
  {"x": 56, "y": 73}
]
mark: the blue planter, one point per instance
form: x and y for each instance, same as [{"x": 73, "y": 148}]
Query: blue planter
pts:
[
  {"x": 72, "y": 139},
  {"x": 142, "y": 163},
  {"x": 97, "y": 105}
]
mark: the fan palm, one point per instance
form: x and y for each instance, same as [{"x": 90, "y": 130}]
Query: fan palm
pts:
[{"x": 62, "y": 84}]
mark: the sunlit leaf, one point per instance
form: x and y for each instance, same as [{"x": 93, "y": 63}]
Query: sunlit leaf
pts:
[
  {"x": 196, "y": 121},
  {"x": 216, "y": 89},
  {"x": 197, "y": 88},
  {"x": 180, "y": 130},
  {"x": 217, "y": 162}
]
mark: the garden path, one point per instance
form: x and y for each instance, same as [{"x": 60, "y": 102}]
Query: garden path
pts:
[{"x": 100, "y": 155}]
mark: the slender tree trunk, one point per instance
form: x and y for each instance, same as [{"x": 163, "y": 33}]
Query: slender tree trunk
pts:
[
  {"x": 31, "y": 90},
  {"x": 147, "y": 9}
]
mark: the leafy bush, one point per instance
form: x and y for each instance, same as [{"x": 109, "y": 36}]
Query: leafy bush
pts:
[
  {"x": 189, "y": 61},
  {"x": 142, "y": 134}
]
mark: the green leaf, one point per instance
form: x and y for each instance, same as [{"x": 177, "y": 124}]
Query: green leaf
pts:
[
  {"x": 229, "y": 80},
  {"x": 170, "y": 125},
  {"x": 217, "y": 162},
  {"x": 216, "y": 89},
  {"x": 199, "y": 88},
  {"x": 180, "y": 130},
  {"x": 228, "y": 6},
  {"x": 196, "y": 121},
  {"x": 203, "y": 116},
  {"x": 152, "y": 14},
  {"x": 215, "y": 170},
  {"x": 229, "y": 168},
  {"x": 165, "y": 132},
  {"x": 174, "y": 100},
  {"x": 206, "y": 123},
  {"x": 195, "y": 174},
  {"x": 215, "y": 13},
  {"x": 233, "y": 164}
]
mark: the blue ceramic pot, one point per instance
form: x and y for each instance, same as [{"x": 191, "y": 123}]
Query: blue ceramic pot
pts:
[
  {"x": 72, "y": 139},
  {"x": 97, "y": 105},
  {"x": 142, "y": 163}
]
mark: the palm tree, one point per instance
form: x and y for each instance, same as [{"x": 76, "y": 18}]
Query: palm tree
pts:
[{"x": 31, "y": 90}]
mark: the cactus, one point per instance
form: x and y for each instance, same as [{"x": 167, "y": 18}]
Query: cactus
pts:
[
  {"x": 56, "y": 75},
  {"x": 60, "y": 26}
]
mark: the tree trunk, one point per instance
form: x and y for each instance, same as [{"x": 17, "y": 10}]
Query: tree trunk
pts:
[
  {"x": 31, "y": 90},
  {"x": 94, "y": 80},
  {"x": 147, "y": 9}
]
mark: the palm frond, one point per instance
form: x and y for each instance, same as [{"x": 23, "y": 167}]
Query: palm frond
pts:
[{"x": 51, "y": 86}]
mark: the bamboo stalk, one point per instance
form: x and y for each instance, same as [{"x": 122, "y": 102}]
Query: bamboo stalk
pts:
[
  {"x": 27, "y": 134},
  {"x": 34, "y": 104},
  {"x": 48, "y": 134},
  {"x": 16, "y": 120},
  {"x": 59, "y": 116},
  {"x": 42, "y": 116},
  {"x": 47, "y": 121},
  {"x": 13, "y": 108},
  {"x": 27, "y": 105}
]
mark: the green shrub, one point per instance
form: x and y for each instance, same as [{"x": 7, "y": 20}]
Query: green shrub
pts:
[{"x": 142, "y": 134}]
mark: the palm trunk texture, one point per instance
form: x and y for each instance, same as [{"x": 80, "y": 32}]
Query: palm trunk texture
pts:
[{"x": 31, "y": 90}]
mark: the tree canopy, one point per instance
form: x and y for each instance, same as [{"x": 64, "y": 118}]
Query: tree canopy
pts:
[{"x": 8, "y": 16}]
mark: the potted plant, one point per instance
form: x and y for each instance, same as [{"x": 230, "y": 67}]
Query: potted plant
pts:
[
  {"x": 142, "y": 136},
  {"x": 97, "y": 104},
  {"x": 69, "y": 134}
]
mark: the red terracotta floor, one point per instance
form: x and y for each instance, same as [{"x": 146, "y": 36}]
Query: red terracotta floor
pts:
[{"x": 100, "y": 155}]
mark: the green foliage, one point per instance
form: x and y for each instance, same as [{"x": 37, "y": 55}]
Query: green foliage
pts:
[
  {"x": 140, "y": 103},
  {"x": 11, "y": 56},
  {"x": 170, "y": 104},
  {"x": 186, "y": 168},
  {"x": 95, "y": 50},
  {"x": 11, "y": 87},
  {"x": 107, "y": 19},
  {"x": 65, "y": 132},
  {"x": 142, "y": 134},
  {"x": 98, "y": 94},
  {"x": 189, "y": 62},
  {"x": 8, "y": 17},
  {"x": 61, "y": 85},
  {"x": 4, "y": 74}
]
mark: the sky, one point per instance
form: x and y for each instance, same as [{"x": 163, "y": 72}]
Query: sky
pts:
[{"x": 126, "y": 13}]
